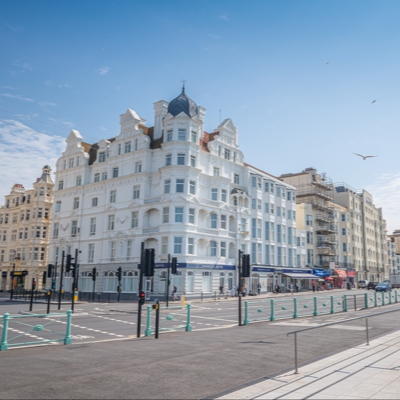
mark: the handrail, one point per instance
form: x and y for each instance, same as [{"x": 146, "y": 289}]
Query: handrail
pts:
[{"x": 330, "y": 324}]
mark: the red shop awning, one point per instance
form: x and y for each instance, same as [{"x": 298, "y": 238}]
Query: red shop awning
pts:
[{"x": 341, "y": 273}]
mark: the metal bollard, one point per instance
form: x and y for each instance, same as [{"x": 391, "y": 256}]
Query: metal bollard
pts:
[
  {"x": 295, "y": 315},
  {"x": 332, "y": 305},
  {"x": 188, "y": 324},
  {"x": 366, "y": 300},
  {"x": 3, "y": 344},
  {"x": 68, "y": 337},
  {"x": 272, "y": 316},
  {"x": 246, "y": 313},
  {"x": 315, "y": 307},
  {"x": 147, "y": 332}
]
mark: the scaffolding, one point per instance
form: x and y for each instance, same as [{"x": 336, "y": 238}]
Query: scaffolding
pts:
[{"x": 319, "y": 193}]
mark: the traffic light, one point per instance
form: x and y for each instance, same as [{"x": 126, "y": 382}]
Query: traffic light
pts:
[
  {"x": 246, "y": 266},
  {"x": 149, "y": 262},
  {"x": 94, "y": 274},
  {"x": 119, "y": 274},
  {"x": 174, "y": 269},
  {"x": 142, "y": 297},
  {"x": 50, "y": 269},
  {"x": 69, "y": 265},
  {"x": 33, "y": 285}
]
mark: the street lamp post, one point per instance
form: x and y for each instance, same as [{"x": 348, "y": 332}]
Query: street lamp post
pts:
[{"x": 15, "y": 264}]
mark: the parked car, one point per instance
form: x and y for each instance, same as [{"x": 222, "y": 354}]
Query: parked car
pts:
[
  {"x": 383, "y": 287},
  {"x": 362, "y": 284},
  {"x": 372, "y": 285}
]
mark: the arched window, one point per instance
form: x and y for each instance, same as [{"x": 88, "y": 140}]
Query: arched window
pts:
[
  {"x": 213, "y": 246},
  {"x": 110, "y": 282},
  {"x": 129, "y": 281},
  {"x": 214, "y": 219}
]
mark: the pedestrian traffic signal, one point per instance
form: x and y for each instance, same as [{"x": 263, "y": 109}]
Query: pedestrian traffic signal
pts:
[
  {"x": 33, "y": 285},
  {"x": 246, "y": 266},
  {"x": 69, "y": 265},
  {"x": 142, "y": 297},
  {"x": 94, "y": 273},
  {"x": 174, "y": 267},
  {"x": 50, "y": 269},
  {"x": 119, "y": 274}
]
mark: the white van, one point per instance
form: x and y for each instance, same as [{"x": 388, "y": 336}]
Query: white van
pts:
[{"x": 362, "y": 284}]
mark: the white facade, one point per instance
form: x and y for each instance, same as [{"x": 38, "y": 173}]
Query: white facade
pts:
[
  {"x": 178, "y": 189},
  {"x": 24, "y": 233}
]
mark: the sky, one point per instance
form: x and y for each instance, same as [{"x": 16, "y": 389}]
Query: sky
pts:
[{"x": 307, "y": 83}]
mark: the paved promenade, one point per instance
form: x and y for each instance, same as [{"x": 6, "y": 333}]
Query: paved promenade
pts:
[{"x": 362, "y": 372}]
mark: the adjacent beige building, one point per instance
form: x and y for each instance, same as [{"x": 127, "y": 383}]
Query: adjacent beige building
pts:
[{"x": 24, "y": 233}]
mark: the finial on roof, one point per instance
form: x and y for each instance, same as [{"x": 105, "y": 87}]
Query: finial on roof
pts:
[{"x": 183, "y": 86}]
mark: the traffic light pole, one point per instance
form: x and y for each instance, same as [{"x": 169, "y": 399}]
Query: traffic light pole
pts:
[
  {"x": 32, "y": 290},
  {"x": 54, "y": 281},
  {"x": 94, "y": 284},
  {"x": 74, "y": 280},
  {"x": 240, "y": 287},
  {"x": 61, "y": 280},
  {"x": 168, "y": 269},
  {"x": 139, "y": 312}
]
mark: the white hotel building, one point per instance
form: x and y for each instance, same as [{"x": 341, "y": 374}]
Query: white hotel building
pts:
[{"x": 181, "y": 191}]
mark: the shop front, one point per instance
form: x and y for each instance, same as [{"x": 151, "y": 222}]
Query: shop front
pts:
[
  {"x": 339, "y": 278},
  {"x": 299, "y": 276},
  {"x": 264, "y": 276},
  {"x": 351, "y": 275}
]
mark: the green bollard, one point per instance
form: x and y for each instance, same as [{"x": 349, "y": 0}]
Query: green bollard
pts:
[
  {"x": 295, "y": 315},
  {"x": 366, "y": 300},
  {"x": 3, "y": 344},
  {"x": 272, "y": 317},
  {"x": 246, "y": 311},
  {"x": 315, "y": 307},
  {"x": 375, "y": 300},
  {"x": 148, "y": 331},
  {"x": 345, "y": 309},
  {"x": 188, "y": 325},
  {"x": 332, "y": 305},
  {"x": 68, "y": 337}
]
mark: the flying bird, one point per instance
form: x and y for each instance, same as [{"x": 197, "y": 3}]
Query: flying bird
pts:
[
  {"x": 364, "y": 157},
  {"x": 327, "y": 63},
  {"x": 373, "y": 101}
]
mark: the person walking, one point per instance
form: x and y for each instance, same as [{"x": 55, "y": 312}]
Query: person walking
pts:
[
  {"x": 291, "y": 288},
  {"x": 233, "y": 291},
  {"x": 313, "y": 286},
  {"x": 221, "y": 290},
  {"x": 259, "y": 288},
  {"x": 297, "y": 288},
  {"x": 174, "y": 291}
]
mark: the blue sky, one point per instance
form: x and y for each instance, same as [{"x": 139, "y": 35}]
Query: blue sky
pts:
[{"x": 297, "y": 78}]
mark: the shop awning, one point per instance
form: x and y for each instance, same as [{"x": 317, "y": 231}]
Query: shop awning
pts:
[
  {"x": 302, "y": 276},
  {"x": 341, "y": 273}
]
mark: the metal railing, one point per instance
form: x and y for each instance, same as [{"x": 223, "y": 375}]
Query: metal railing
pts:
[{"x": 330, "y": 324}]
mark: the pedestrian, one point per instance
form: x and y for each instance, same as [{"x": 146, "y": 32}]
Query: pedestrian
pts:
[
  {"x": 277, "y": 288},
  {"x": 259, "y": 288},
  {"x": 233, "y": 291},
  {"x": 313, "y": 286},
  {"x": 174, "y": 291},
  {"x": 291, "y": 288},
  {"x": 283, "y": 288},
  {"x": 244, "y": 290},
  {"x": 297, "y": 288},
  {"x": 221, "y": 290}
]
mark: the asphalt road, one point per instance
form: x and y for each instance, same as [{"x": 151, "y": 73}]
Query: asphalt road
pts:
[
  {"x": 93, "y": 322},
  {"x": 179, "y": 365}
]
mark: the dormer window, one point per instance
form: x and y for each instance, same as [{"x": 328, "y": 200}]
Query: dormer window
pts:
[
  {"x": 182, "y": 134},
  {"x": 127, "y": 147},
  {"x": 102, "y": 156}
]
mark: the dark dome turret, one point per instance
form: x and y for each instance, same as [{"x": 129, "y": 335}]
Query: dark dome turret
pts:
[{"x": 182, "y": 103}]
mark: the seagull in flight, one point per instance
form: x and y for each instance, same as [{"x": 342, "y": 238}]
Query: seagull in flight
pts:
[
  {"x": 364, "y": 157},
  {"x": 327, "y": 63},
  {"x": 373, "y": 101}
]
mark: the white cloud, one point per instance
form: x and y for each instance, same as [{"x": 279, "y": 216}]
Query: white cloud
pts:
[
  {"x": 60, "y": 121},
  {"x": 385, "y": 191},
  {"x": 23, "y": 153},
  {"x": 25, "y": 66},
  {"x": 16, "y": 96},
  {"x": 66, "y": 84},
  {"x": 103, "y": 71},
  {"x": 224, "y": 17},
  {"x": 47, "y": 103},
  {"x": 103, "y": 129},
  {"x": 213, "y": 36}
]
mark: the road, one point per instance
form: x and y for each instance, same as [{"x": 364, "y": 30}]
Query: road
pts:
[
  {"x": 191, "y": 365},
  {"x": 93, "y": 322}
]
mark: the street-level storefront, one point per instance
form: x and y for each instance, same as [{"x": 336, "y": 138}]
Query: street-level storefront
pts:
[
  {"x": 351, "y": 275},
  {"x": 339, "y": 278},
  {"x": 302, "y": 278}
]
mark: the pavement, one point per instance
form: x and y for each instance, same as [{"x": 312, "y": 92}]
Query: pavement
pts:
[
  {"x": 192, "y": 365},
  {"x": 362, "y": 372}
]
